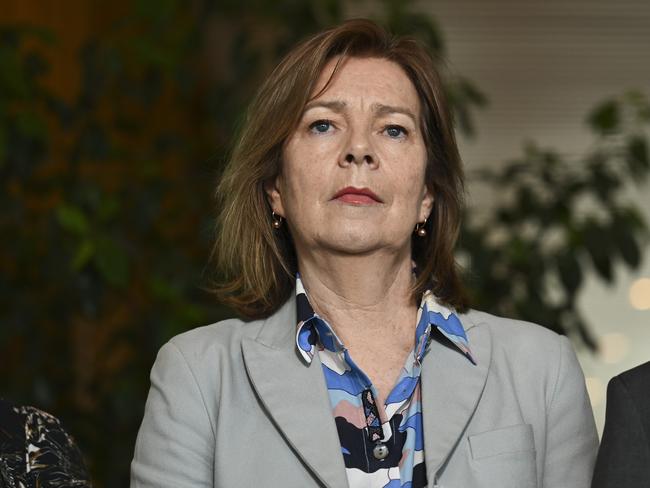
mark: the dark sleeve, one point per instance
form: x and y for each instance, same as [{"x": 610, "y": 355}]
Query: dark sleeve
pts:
[
  {"x": 35, "y": 451},
  {"x": 624, "y": 456}
]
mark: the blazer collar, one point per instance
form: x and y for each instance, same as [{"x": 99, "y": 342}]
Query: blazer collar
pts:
[
  {"x": 451, "y": 388},
  {"x": 295, "y": 394}
]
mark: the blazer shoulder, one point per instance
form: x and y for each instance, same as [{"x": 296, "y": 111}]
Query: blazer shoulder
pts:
[
  {"x": 535, "y": 357},
  {"x": 545, "y": 353},
  {"x": 636, "y": 383},
  {"x": 636, "y": 379},
  {"x": 518, "y": 335},
  {"x": 223, "y": 337}
]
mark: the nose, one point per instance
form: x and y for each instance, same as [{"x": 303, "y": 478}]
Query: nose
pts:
[
  {"x": 359, "y": 150},
  {"x": 359, "y": 157}
]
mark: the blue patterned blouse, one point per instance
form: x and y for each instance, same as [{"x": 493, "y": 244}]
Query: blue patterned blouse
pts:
[{"x": 381, "y": 448}]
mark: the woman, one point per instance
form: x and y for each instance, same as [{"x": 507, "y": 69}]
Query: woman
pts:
[{"x": 362, "y": 365}]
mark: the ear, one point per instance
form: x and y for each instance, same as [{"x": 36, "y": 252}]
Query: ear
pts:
[
  {"x": 426, "y": 205},
  {"x": 273, "y": 194}
]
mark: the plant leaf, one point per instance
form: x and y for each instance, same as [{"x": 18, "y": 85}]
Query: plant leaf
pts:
[
  {"x": 72, "y": 219},
  {"x": 605, "y": 118}
]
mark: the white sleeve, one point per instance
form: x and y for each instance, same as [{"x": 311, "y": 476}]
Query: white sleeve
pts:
[
  {"x": 572, "y": 440},
  {"x": 175, "y": 443}
]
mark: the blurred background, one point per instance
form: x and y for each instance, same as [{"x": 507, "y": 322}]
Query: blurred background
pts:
[{"x": 116, "y": 118}]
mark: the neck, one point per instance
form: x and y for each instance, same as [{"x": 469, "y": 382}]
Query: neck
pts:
[{"x": 374, "y": 290}]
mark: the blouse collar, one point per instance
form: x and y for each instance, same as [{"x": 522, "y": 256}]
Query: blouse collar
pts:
[{"x": 313, "y": 331}]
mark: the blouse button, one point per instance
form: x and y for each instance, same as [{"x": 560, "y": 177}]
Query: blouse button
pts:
[{"x": 380, "y": 451}]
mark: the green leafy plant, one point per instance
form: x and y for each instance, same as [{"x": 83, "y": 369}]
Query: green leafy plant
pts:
[{"x": 556, "y": 218}]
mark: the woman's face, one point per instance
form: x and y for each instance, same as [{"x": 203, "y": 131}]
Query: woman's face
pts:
[{"x": 352, "y": 176}]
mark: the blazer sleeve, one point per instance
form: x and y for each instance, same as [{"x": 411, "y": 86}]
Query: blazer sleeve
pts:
[
  {"x": 572, "y": 440},
  {"x": 175, "y": 443},
  {"x": 624, "y": 456}
]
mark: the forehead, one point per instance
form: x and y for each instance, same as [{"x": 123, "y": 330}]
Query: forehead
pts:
[{"x": 367, "y": 79}]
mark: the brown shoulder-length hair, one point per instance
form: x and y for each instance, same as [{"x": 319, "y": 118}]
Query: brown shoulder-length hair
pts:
[{"x": 256, "y": 265}]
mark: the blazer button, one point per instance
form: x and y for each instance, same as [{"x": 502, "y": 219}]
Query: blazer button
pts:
[{"x": 380, "y": 451}]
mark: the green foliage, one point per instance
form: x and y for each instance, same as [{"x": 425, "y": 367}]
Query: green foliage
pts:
[
  {"x": 557, "y": 218},
  {"x": 605, "y": 118},
  {"x": 107, "y": 210}
]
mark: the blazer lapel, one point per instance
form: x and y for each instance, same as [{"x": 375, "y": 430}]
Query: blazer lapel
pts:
[
  {"x": 451, "y": 389},
  {"x": 295, "y": 395}
]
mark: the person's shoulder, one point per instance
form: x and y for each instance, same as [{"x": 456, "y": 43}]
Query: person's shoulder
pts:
[
  {"x": 534, "y": 356},
  {"x": 638, "y": 376},
  {"x": 225, "y": 335},
  {"x": 636, "y": 382},
  {"x": 203, "y": 351},
  {"x": 60, "y": 460},
  {"x": 627, "y": 396},
  {"x": 517, "y": 336}
]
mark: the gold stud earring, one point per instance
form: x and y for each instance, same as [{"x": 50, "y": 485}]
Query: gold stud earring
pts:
[
  {"x": 420, "y": 230},
  {"x": 277, "y": 220}
]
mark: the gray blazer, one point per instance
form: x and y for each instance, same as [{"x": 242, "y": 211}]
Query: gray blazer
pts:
[{"x": 233, "y": 405}]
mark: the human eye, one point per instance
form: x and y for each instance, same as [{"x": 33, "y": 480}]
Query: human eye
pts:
[
  {"x": 396, "y": 131},
  {"x": 320, "y": 126}
]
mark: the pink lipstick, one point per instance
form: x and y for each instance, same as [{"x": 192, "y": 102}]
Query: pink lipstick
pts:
[{"x": 357, "y": 196}]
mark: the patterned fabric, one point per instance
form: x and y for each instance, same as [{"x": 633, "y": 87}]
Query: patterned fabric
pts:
[
  {"x": 361, "y": 425},
  {"x": 35, "y": 451}
]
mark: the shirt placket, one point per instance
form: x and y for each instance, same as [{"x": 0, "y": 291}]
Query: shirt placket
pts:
[{"x": 376, "y": 431}]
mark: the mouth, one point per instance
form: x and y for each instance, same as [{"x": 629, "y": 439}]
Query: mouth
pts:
[{"x": 357, "y": 196}]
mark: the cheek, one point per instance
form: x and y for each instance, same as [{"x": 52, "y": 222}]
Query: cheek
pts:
[
  {"x": 408, "y": 174},
  {"x": 301, "y": 188},
  {"x": 304, "y": 181},
  {"x": 308, "y": 166}
]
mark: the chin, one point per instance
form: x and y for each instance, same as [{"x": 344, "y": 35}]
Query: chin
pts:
[{"x": 361, "y": 242}]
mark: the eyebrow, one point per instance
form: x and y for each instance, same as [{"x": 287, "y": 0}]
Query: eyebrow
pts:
[
  {"x": 382, "y": 109},
  {"x": 379, "y": 108}
]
